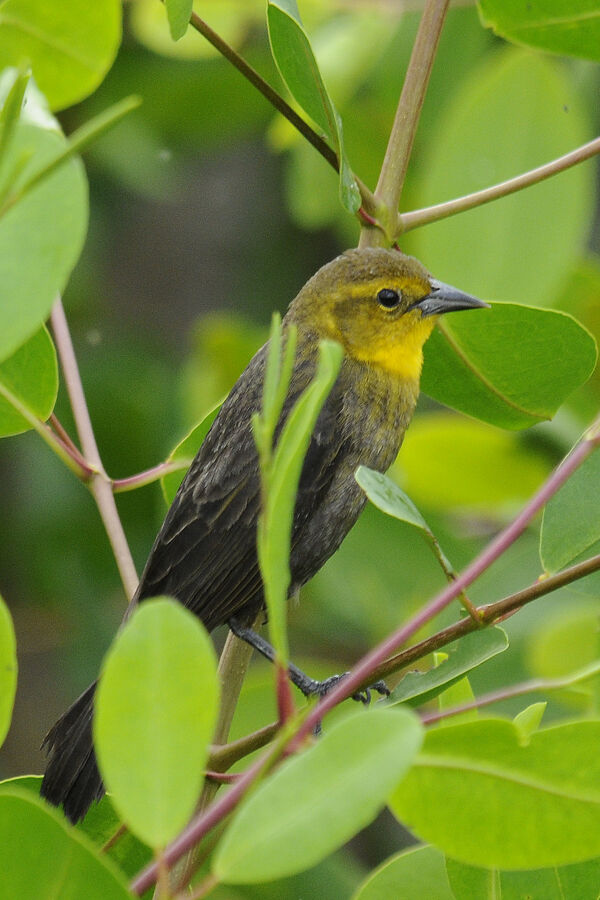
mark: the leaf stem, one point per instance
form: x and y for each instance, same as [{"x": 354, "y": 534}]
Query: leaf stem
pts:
[
  {"x": 99, "y": 483},
  {"x": 73, "y": 449},
  {"x": 515, "y": 690},
  {"x": 53, "y": 440},
  {"x": 268, "y": 92},
  {"x": 78, "y": 141},
  {"x": 416, "y": 218},
  {"x": 395, "y": 163}
]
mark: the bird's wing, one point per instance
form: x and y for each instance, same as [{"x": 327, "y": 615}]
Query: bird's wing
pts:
[
  {"x": 206, "y": 548},
  {"x": 205, "y": 552}
]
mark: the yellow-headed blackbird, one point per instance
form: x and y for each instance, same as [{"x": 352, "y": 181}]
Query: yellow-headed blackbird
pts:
[{"x": 381, "y": 306}]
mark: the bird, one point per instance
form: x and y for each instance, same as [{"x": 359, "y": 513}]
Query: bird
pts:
[{"x": 381, "y": 306}]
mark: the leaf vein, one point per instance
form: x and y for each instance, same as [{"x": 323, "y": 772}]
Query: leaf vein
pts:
[
  {"x": 479, "y": 375},
  {"x": 518, "y": 778}
]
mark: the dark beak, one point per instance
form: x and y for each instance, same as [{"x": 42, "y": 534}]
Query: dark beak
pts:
[{"x": 443, "y": 298}]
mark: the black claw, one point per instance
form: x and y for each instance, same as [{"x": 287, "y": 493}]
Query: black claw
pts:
[
  {"x": 303, "y": 682},
  {"x": 381, "y": 688}
]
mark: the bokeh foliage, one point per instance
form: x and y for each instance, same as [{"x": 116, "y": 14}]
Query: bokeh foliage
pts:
[{"x": 206, "y": 212}]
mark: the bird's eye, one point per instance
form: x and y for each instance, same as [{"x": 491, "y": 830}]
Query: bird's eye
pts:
[{"x": 388, "y": 298}]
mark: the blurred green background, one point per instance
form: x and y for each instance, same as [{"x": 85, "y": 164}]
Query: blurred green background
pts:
[{"x": 207, "y": 213}]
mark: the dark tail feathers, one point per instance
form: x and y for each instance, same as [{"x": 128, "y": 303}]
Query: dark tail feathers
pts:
[{"x": 72, "y": 776}]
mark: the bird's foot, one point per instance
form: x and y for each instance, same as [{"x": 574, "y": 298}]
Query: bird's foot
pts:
[{"x": 311, "y": 688}]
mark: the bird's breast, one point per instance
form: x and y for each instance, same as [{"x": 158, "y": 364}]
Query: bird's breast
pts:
[{"x": 376, "y": 412}]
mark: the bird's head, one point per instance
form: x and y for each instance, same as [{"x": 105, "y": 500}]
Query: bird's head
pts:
[{"x": 380, "y": 305}]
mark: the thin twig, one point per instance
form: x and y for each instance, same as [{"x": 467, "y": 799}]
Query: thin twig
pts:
[
  {"x": 269, "y": 93},
  {"x": 114, "y": 838},
  {"x": 99, "y": 482},
  {"x": 363, "y": 671},
  {"x": 222, "y": 758},
  {"x": 395, "y": 163},
  {"x": 515, "y": 690},
  {"x": 280, "y": 104},
  {"x": 64, "y": 435},
  {"x": 418, "y": 217},
  {"x": 222, "y": 777},
  {"x": 201, "y": 825},
  {"x": 490, "y": 613},
  {"x": 141, "y": 479},
  {"x": 289, "y": 742}
]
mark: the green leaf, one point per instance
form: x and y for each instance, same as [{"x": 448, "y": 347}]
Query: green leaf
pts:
[
  {"x": 34, "y": 107},
  {"x": 576, "y": 882},
  {"x": 530, "y": 718},
  {"x": 8, "y": 669},
  {"x": 155, "y": 713},
  {"x": 100, "y": 824},
  {"x": 468, "y": 882},
  {"x": 40, "y": 236},
  {"x": 299, "y": 69},
  {"x": 506, "y": 805},
  {"x": 275, "y": 526},
  {"x": 30, "y": 376},
  {"x": 446, "y": 463},
  {"x": 515, "y": 112},
  {"x": 317, "y": 800},
  {"x": 11, "y": 109},
  {"x": 178, "y": 14},
  {"x": 457, "y": 694},
  {"x": 185, "y": 452},
  {"x": 415, "y": 874},
  {"x": 564, "y": 642},
  {"x": 387, "y": 496},
  {"x": 149, "y": 22},
  {"x": 464, "y": 655},
  {"x": 571, "y": 27},
  {"x": 70, "y": 45},
  {"x": 571, "y": 523},
  {"x": 503, "y": 365},
  {"x": 42, "y": 857}
]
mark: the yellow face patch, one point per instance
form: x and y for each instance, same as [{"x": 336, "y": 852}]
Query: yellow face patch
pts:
[{"x": 402, "y": 356}]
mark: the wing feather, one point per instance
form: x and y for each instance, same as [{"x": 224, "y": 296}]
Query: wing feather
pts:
[{"x": 205, "y": 552}]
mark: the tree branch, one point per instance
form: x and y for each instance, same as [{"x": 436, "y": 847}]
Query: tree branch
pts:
[
  {"x": 278, "y": 103},
  {"x": 395, "y": 163},
  {"x": 99, "y": 483},
  {"x": 363, "y": 671},
  {"x": 289, "y": 742},
  {"x": 416, "y": 218},
  {"x": 223, "y": 757}
]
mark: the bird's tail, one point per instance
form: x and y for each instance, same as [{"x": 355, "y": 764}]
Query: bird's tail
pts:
[{"x": 72, "y": 777}]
